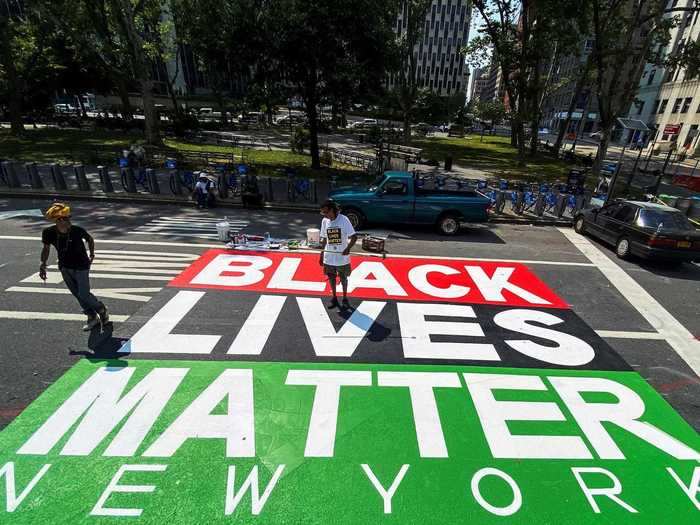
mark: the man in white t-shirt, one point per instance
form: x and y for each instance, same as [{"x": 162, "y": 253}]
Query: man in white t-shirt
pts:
[{"x": 337, "y": 239}]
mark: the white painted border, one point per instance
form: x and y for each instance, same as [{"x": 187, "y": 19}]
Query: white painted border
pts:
[
  {"x": 667, "y": 326},
  {"x": 394, "y": 256}
]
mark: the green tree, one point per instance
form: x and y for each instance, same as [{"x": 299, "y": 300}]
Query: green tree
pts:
[{"x": 312, "y": 39}]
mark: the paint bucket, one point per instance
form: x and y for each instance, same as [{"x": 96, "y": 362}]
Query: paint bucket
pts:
[
  {"x": 222, "y": 230},
  {"x": 313, "y": 236}
]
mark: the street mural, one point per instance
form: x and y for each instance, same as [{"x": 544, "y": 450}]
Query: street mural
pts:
[{"x": 452, "y": 391}]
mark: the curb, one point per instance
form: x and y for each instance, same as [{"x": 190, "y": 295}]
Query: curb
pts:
[{"x": 271, "y": 206}]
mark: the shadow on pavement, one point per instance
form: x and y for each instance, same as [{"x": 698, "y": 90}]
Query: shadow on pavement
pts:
[{"x": 104, "y": 347}]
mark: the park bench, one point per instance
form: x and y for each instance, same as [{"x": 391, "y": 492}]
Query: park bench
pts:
[{"x": 407, "y": 153}]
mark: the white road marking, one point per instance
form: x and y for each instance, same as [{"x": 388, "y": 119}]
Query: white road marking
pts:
[
  {"x": 396, "y": 256},
  {"x": 56, "y": 277},
  {"x": 125, "y": 294},
  {"x": 613, "y": 334},
  {"x": 20, "y": 213},
  {"x": 197, "y": 235},
  {"x": 51, "y": 316},
  {"x": 675, "y": 334}
]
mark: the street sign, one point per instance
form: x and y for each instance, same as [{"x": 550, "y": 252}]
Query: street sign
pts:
[{"x": 672, "y": 129}]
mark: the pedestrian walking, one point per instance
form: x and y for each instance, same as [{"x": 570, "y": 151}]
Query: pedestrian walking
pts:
[
  {"x": 337, "y": 239},
  {"x": 73, "y": 261}
]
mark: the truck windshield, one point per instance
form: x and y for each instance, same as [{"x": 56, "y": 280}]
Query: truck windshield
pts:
[
  {"x": 375, "y": 185},
  {"x": 663, "y": 220}
]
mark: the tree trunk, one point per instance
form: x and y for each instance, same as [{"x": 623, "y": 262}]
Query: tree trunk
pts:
[
  {"x": 15, "y": 105},
  {"x": 150, "y": 114},
  {"x": 312, "y": 114},
  {"x": 406, "y": 127},
  {"x": 602, "y": 149},
  {"x": 123, "y": 89}
]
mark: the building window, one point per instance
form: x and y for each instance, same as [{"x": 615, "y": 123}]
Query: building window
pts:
[
  {"x": 640, "y": 107},
  {"x": 677, "y": 105},
  {"x": 686, "y": 104},
  {"x": 656, "y": 107},
  {"x": 651, "y": 77},
  {"x": 662, "y": 109}
]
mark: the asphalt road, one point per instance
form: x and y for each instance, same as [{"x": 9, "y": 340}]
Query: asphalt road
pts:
[{"x": 140, "y": 248}]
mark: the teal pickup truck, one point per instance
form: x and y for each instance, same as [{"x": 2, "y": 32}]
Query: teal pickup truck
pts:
[{"x": 396, "y": 198}]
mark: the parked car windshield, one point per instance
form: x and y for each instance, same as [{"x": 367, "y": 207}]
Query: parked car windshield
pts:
[
  {"x": 664, "y": 220},
  {"x": 377, "y": 182}
]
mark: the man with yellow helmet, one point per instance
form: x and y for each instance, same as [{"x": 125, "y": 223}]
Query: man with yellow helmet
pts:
[{"x": 73, "y": 261}]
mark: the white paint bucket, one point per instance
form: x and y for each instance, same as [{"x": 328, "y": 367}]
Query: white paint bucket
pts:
[
  {"x": 222, "y": 229},
  {"x": 313, "y": 236}
]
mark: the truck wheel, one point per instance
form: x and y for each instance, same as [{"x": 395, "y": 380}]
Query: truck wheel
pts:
[
  {"x": 355, "y": 217},
  {"x": 448, "y": 224}
]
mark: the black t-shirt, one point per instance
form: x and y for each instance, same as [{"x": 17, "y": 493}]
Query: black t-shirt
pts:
[{"x": 69, "y": 246}]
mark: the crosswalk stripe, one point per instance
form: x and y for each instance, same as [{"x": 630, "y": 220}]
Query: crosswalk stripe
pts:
[
  {"x": 126, "y": 294},
  {"x": 54, "y": 316},
  {"x": 206, "y": 235},
  {"x": 174, "y": 255}
]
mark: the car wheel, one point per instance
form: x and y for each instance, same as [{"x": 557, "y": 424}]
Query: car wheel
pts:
[
  {"x": 622, "y": 249},
  {"x": 580, "y": 225},
  {"x": 355, "y": 217},
  {"x": 449, "y": 225}
]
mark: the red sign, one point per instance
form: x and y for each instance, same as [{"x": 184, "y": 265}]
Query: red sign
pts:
[
  {"x": 672, "y": 129},
  {"x": 394, "y": 278}
]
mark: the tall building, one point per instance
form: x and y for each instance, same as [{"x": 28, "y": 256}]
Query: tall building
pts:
[
  {"x": 555, "y": 106},
  {"x": 493, "y": 88},
  {"x": 479, "y": 80},
  {"x": 671, "y": 96},
  {"x": 440, "y": 62}
]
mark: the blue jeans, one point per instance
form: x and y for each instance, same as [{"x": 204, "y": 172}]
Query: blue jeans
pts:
[{"x": 78, "y": 282}]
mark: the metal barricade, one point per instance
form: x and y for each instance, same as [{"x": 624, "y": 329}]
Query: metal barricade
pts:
[
  {"x": 10, "y": 174},
  {"x": 33, "y": 176},
  {"x": 81, "y": 178},
  {"x": 105, "y": 180},
  {"x": 59, "y": 181}
]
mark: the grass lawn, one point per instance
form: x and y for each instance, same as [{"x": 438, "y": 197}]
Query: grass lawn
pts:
[
  {"x": 93, "y": 147},
  {"x": 494, "y": 155}
]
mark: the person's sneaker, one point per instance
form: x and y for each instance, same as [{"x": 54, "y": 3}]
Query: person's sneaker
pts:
[
  {"x": 92, "y": 322},
  {"x": 103, "y": 316},
  {"x": 333, "y": 303},
  {"x": 346, "y": 303}
]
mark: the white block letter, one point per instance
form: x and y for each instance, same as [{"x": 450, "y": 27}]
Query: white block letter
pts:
[
  {"x": 386, "y": 495},
  {"x": 233, "y": 498},
  {"x": 236, "y": 426},
  {"x": 325, "y": 340},
  {"x": 12, "y": 500},
  {"x": 624, "y": 413},
  {"x": 693, "y": 487},
  {"x": 508, "y": 510},
  {"x": 571, "y": 351},
  {"x": 283, "y": 278},
  {"x": 610, "y": 492},
  {"x": 416, "y": 331},
  {"x": 101, "y": 397},
  {"x": 418, "y": 276},
  {"x": 100, "y": 510},
  {"x": 155, "y": 336},
  {"x": 320, "y": 441},
  {"x": 382, "y": 279},
  {"x": 494, "y": 416},
  {"x": 247, "y": 270},
  {"x": 431, "y": 441},
  {"x": 254, "y": 333},
  {"x": 492, "y": 287}
]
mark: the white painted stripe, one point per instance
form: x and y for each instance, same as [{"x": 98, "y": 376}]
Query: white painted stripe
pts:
[
  {"x": 613, "y": 334},
  {"x": 220, "y": 245},
  {"x": 52, "y": 316},
  {"x": 195, "y": 222},
  {"x": 196, "y": 218},
  {"x": 125, "y": 294},
  {"x": 175, "y": 255},
  {"x": 675, "y": 334},
  {"x": 155, "y": 227},
  {"x": 203, "y": 235},
  {"x": 184, "y": 261},
  {"x": 56, "y": 277}
]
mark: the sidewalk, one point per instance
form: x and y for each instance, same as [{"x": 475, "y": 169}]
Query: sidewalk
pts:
[{"x": 274, "y": 189}]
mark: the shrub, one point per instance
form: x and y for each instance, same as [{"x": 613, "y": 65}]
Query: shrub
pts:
[{"x": 301, "y": 139}]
